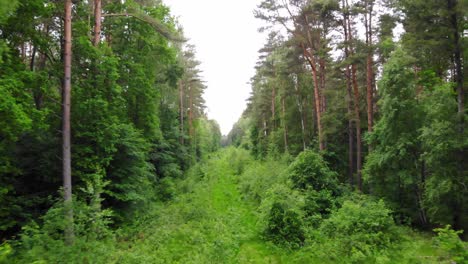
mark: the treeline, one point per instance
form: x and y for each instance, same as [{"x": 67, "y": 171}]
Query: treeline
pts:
[
  {"x": 137, "y": 112},
  {"x": 377, "y": 87}
]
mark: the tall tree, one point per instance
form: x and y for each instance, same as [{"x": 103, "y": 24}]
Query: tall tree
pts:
[
  {"x": 97, "y": 22},
  {"x": 368, "y": 14},
  {"x": 307, "y": 22},
  {"x": 66, "y": 131}
]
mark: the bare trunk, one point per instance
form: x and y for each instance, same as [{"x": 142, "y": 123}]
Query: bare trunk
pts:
[
  {"x": 358, "y": 128},
  {"x": 33, "y": 58},
  {"x": 66, "y": 134},
  {"x": 285, "y": 128},
  {"x": 420, "y": 190},
  {"x": 452, "y": 8},
  {"x": 300, "y": 106},
  {"x": 181, "y": 111},
  {"x": 97, "y": 22},
  {"x": 370, "y": 73},
  {"x": 356, "y": 111},
  {"x": 322, "y": 86},
  {"x": 190, "y": 115},
  {"x": 350, "y": 102},
  {"x": 23, "y": 52},
  {"x": 317, "y": 96},
  {"x": 273, "y": 110},
  {"x": 317, "y": 99}
]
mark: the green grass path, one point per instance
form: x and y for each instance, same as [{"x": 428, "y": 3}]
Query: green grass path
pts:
[
  {"x": 230, "y": 207},
  {"x": 208, "y": 222}
]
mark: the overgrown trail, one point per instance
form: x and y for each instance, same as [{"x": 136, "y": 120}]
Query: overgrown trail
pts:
[{"x": 208, "y": 222}]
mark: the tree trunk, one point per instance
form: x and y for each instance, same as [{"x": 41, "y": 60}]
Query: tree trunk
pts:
[
  {"x": 190, "y": 115},
  {"x": 300, "y": 107},
  {"x": 97, "y": 22},
  {"x": 273, "y": 110},
  {"x": 323, "y": 103},
  {"x": 317, "y": 97},
  {"x": 370, "y": 71},
  {"x": 66, "y": 133},
  {"x": 285, "y": 128},
  {"x": 419, "y": 192},
  {"x": 358, "y": 128},
  {"x": 356, "y": 110},
  {"x": 181, "y": 111},
  {"x": 350, "y": 101},
  {"x": 452, "y": 8}
]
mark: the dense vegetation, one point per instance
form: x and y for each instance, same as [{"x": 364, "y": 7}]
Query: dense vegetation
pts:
[
  {"x": 235, "y": 209},
  {"x": 307, "y": 180},
  {"x": 131, "y": 80},
  {"x": 377, "y": 87}
]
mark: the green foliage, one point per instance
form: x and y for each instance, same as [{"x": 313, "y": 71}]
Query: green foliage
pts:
[
  {"x": 361, "y": 227},
  {"x": 393, "y": 168},
  {"x": 443, "y": 145},
  {"x": 257, "y": 178},
  {"x": 210, "y": 219},
  {"x": 449, "y": 240},
  {"x": 5, "y": 251},
  {"x": 309, "y": 170},
  {"x": 284, "y": 226},
  {"x": 318, "y": 205},
  {"x": 44, "y": 243}
]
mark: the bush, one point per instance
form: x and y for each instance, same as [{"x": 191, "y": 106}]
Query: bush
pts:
[
  {"x": 259, "y": 177},
  {"x": 361, "y": 227},
  {"x": 93, "y": 240},
  {"x": 285, "y": 227},
  {"x": 449, "y": 240},
  {"x": 309, "y": 170},
  {"x": 318, "y": 206}
]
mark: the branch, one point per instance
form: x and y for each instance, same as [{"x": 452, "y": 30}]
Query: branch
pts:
[{"x": 157, "y": 25}]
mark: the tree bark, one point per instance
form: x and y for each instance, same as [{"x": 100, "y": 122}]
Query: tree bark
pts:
[
  {"x": 356, "y": 108},
  {"x": 317, "y": 98},
  {"x": 181, "y": 111},
  {"x": 66, "y": 133},
  {"x": 273, "y": 110},
  {"x": 350, "y": 101},
  {"x": 452, "y": 8},
  {"x": 370, "y": 71},
  {"x": 317, "y": 95},
  {"x": 301, "y": 112},
  {"x": 285, "y": 128},
  {"x": 190, "y": 113},
  {"x": 97, "y": 22}
]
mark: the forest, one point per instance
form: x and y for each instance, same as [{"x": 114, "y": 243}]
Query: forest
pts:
[{"x": 352, "y": 147}]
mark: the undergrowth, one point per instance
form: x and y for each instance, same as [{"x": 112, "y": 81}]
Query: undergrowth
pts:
[{"x": 234, "y": 209}]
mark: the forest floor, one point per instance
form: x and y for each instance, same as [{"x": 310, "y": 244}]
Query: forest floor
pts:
[
  {"x": 208, "y": 222},
  {"x": 214, "y": 215}
]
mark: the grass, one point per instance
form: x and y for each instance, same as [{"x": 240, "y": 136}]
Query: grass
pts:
[
  {"x": 213, "y": 218},
  {"x": 211, "y": 222}
]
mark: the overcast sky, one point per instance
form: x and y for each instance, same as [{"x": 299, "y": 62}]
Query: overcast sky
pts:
[{"x": 226, "y": 39}]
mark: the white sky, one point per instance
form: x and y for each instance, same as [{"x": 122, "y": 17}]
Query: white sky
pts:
[{"x": 226, "y": 39}]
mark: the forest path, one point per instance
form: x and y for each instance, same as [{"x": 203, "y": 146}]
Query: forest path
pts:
[
  {"x": 232, "y": 210},
  {"x": 236, "y": 212},
  {"x": 207, "y": 221}
]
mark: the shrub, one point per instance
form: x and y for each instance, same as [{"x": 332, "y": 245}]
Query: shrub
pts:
[
  {"x": 261, "y": 176},
  {"x": 309, "y": 170},
  {"x": 449, "y": 240},
  {"x": 361, "y": 227},
  {"x": 318, "y": 205},
  {"x": 285, "y": 227},
  {"x": 93, "y": 240}
]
